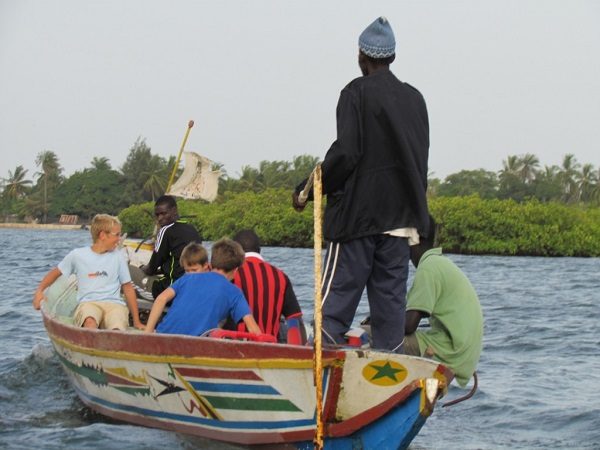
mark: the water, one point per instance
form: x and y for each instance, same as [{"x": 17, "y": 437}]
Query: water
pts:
[{"x": 539, "y": 374}]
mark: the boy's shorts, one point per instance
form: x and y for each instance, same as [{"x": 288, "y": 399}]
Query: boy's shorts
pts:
[
  {"x": 108, "y": 315},
  {"x": 411, "y": 345}
]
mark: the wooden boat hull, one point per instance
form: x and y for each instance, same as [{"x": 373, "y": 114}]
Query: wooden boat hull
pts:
[{"x": 248, "y": 392}]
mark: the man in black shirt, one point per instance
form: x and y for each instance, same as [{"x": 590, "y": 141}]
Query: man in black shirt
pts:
[
  {"x": 172, "y": 237},
  {"x": 375, "y": 179}
]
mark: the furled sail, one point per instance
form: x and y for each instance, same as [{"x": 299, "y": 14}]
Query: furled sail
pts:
[{"x": 197, "y": 181}]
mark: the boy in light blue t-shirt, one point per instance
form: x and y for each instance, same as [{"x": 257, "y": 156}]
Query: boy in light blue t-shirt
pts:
[
  {"x": 202, "y": 299},
  {"x": 101, "y": 274}
]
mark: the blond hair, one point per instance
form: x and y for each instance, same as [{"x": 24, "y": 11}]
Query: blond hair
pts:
[
  {"x": 226, "y": 255},
  {"x": 192, "y": 254},
  {"x": 102, "y": 222}
]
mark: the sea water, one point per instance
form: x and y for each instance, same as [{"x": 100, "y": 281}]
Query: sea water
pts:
[{"x": 539, "y": 374}]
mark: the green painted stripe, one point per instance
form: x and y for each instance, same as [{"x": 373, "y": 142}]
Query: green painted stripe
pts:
[
  {"x": 251, "y": 404},
  {"x": 132, "y": 390},
  {"x": 95, "y": 376},
  {"x": 99, "y": 377}
]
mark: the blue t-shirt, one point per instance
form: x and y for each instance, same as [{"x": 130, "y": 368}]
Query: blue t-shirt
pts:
[
  {"x": 99, "y": 275},
  {"x": 202, "y": 300}
]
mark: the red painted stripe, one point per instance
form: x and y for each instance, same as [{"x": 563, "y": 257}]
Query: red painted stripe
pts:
[
  {"x": 266, "y": 438},
  {"x": 358, "y": 421},
  {"x": 216, "y": 373},
  {"x": 294, "y": 316},
  {"x": 181, "y": 345},
  {"x": 115, "y": 379},
  {"x": 333, "y": 392}
]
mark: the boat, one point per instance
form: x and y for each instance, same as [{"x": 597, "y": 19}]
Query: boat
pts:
[
  {"x": 227, "y": 387},
  {"x": 241, "y": 388}
]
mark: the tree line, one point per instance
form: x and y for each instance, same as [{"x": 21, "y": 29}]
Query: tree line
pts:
[
  {"x": 522, "y": 177},
  {"x": 144, "y": 176},
  {"x": 466, "y": 225}
]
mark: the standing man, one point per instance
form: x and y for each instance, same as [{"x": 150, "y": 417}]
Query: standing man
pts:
[
  {"x": 375, "y": 178},
  {"x": 173, "y": 236},
  {"x": 269, "y": 292},
  {"x": 442, "y": 292}
]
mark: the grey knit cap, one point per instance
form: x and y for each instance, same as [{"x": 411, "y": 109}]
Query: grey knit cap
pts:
[{"x": 377, "y": 41}]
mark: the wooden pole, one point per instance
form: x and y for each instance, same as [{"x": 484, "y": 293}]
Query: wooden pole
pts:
[
  {"x": 318, "y": 347},
  {"x": 187, "y": 133}
]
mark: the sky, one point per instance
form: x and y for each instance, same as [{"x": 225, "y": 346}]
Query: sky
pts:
[{"x": 261, "y": 78}]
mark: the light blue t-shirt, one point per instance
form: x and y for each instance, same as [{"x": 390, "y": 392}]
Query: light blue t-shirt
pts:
[
  {"x": 202, "y": 300},
  {"x": 99, "y": 275}
]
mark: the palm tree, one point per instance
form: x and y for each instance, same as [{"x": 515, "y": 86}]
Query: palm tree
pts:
[
  {"x": 48, "y": 161},
  {"x": 587, "y": 183},
  {"x": 596, "y": 190},
  {"x": 15, "y": 186},
  {"x": 275, "y": 173},
  {"x": 510, "y": 183},
  {"x": 251, "y": 179},
  {"x": 528, "y": 165},
  {"x": 101, "y": 163},
  {"x": 156, "y": 176},
  {"x": 155, "y": 183},
  {"x": 510, "y": 165},
  {"x": 547, "y": 184},
  {"x": 568, "y": 177}
]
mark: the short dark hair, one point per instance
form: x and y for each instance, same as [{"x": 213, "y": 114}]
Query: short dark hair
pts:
[
  {"x": 167, "y": 200},
  {"x": 248, "y": 239},
  {"x": 226, "y": 255}
]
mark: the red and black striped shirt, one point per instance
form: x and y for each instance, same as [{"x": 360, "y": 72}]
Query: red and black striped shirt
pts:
[{"x": 269, "y": 293}]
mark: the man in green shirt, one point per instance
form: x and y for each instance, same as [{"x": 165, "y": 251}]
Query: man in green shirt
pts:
[{"x": 442, "y": 292}]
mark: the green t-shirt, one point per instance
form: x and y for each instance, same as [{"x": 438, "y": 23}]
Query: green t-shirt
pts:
[{"x": 445, "y": 293}]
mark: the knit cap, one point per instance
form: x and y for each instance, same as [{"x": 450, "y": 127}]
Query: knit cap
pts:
[{"x": 377, "y": 41}]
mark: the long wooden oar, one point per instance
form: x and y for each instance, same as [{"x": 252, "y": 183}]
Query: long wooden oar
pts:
[
  {"x": 316, "y": 179},
  {"x": 174, "y": 171}
]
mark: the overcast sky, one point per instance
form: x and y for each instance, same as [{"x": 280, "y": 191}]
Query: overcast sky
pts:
[{"x": 261, "y": 79}]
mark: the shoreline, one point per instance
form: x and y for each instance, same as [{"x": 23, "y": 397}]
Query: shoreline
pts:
[{"x": 42, "y": 226}]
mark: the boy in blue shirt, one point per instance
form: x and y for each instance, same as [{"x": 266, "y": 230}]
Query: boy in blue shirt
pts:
[{"x": 202, "y": 299}]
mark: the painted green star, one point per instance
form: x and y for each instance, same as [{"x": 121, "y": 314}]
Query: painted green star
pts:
[{"x": 385, "y": 371}]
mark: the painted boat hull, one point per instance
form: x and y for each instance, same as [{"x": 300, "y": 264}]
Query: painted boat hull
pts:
[{"x": 247, "y": 392}]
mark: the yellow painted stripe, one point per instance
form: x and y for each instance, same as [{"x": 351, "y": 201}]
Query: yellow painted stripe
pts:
[
  {"x": 261, "y": 363},
  {"x": 134, "y": 245},
  {"x": 204, "y": 404}
]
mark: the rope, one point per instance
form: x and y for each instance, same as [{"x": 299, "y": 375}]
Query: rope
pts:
[{"x": 465, "y": 397}]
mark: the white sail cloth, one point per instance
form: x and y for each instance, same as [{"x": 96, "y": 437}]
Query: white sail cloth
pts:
[{"x": 197, "y": 181}]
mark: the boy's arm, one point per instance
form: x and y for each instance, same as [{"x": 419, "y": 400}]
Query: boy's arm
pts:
[
  {"x": 131, "y": 299},
  {"x": 50, "y": 278},
  {"x": 158, "y": 307},
  {"x": 251, "y": 324}
]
